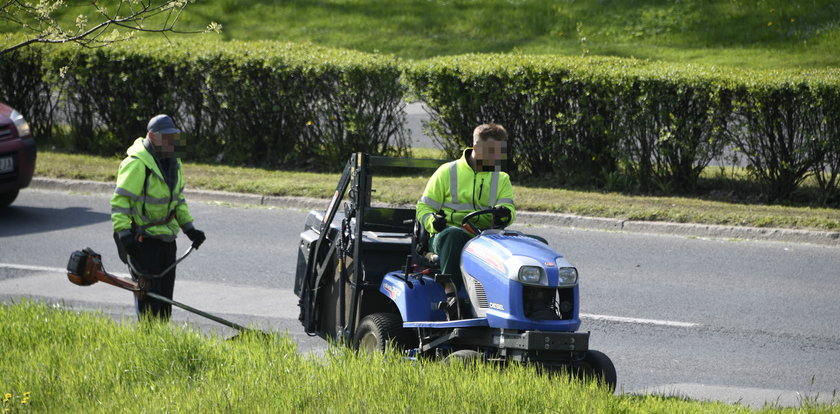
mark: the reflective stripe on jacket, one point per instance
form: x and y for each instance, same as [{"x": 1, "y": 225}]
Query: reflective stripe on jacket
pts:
[
  {"x": 149, "y": 210},
  {"x": 458, "y": 190}
]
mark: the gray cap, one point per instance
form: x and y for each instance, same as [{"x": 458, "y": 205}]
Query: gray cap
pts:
[{"x": 163, "y": 124}]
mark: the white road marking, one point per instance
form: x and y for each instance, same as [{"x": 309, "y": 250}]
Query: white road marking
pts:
[
  {"x": 34, "y": 268},
  {"x": 49, "y": 269},
  {"x": 623, "y": 319},
  {"x": 267, "y": 297},
  {"x": 51, "y": 282}
]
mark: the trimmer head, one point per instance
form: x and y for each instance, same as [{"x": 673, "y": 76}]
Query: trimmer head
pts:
[
  {"x": 85, "y": 268},
  {"x": 82, "y": 266}
]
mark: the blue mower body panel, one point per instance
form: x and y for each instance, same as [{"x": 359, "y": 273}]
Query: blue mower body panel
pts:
[
  {"x": 414, "y": 299},
  {"x": 490, "y": 265}
]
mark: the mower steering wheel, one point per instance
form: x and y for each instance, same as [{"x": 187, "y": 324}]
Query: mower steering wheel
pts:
[{"x": 465, "y": 222}]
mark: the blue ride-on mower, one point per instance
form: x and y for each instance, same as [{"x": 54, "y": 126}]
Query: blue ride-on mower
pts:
[{"x": 365, "y": 278}]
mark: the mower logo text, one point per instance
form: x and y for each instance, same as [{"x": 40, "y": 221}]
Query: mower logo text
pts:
[
  {"x": 497, "y": 306},
  {"x": 392, "y": 290}
]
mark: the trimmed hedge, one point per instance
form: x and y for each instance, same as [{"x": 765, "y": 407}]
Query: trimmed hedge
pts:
[
  {"x": 789, "y": 129},
  {"x": 28, "y": 86},
  {"x": 261, "y": 103},
  {"x": 827, "y": 169},
  {"x": 672, "y": 124},
  {"x": 612, "y": 123},
  {"x": 555, "y": 114},
  {"x": 580, "y": 119},
  {"x": 633, "y": 124}
]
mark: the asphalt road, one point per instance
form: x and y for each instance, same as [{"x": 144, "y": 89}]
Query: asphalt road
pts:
[{"x": 735, "y": 321}]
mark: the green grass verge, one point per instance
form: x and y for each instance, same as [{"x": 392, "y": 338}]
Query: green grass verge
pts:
[
  {"x": 406, "y": 190},
  {"x": 742, "y": 33},
  {"x": 58, "y": 360}
]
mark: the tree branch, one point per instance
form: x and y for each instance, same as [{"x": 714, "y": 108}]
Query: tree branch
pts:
[{"x": 48, "y": 31}]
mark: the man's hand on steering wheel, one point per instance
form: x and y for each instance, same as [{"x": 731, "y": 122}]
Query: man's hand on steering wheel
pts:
[{"x": 501, "y": 216}]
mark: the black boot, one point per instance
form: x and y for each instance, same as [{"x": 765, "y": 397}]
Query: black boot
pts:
[
  {"x": 452, "y": 304},
  {"x": 453, "y": 307}
]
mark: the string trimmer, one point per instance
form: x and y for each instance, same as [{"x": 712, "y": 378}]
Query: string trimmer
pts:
[{"x": 85, "y": 268}]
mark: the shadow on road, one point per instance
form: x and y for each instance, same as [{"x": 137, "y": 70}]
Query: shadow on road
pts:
[{"x": 16, "y": 221}]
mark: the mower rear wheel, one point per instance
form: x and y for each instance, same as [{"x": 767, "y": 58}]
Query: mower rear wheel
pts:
[
  {"x": 597, "y": 365},
  {"x": 378, "y": 331}
]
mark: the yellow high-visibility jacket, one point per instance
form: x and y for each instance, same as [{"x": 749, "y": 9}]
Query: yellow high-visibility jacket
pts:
[
  {"x": 158, "y": 212},
  {"x": 457, "y": 190}
]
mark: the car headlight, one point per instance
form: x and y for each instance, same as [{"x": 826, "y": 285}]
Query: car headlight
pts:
[
  {"x": 20, "y": 123},
  {"x": 532, "y": 275},
  {"x": 568, "y": 276}
]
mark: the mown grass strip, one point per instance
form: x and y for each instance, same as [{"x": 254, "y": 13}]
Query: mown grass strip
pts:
[
  {"x": 406, "y": 190},
  {"x": 74, "y": 362}
]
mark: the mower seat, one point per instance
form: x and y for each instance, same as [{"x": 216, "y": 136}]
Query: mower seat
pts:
[{"x": 420, "y": 247}]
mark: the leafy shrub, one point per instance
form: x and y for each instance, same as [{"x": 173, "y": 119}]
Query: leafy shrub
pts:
[
  {"x": 588, "y": 121},
  {"x": 672, "y": 123},
  {"x": 361, "y": 108},
  {"x": 555, "y": 109},
  {"x": 109, "y": 94},
  {"x": 26, "y": 85},
  {"x": 266, "y": 104},
  {"x": 779, "y": 118},
  {"x": 827, "y": 168}
]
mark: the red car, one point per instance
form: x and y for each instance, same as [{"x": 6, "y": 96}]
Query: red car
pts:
[{"x": 17, "y": 154}]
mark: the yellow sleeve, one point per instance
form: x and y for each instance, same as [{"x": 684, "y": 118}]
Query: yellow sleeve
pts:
[
  {"x": 433, "y": 197},
  {"x": 127, "y": 193}
]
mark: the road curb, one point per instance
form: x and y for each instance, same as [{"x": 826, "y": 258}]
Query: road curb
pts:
[{"x": 828, "y": 238}]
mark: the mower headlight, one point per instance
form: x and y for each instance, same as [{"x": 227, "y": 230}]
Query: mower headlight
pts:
[
  {"x": 20, "y": 123},
  {"x": 568, "y": 276},
  {"x": 532, "y": 275}
]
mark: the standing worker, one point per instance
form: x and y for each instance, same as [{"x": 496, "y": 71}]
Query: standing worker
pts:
[
  {"x": 473, "y": 182},
  {"x": 147, "y": 211}
]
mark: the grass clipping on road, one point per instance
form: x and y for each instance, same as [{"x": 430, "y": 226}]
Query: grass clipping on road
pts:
[
  {"x": 406, "y": 190},
  {"x": 58, "y": 360}
]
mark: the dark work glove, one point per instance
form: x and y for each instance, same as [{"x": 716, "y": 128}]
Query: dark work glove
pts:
[
  {"x": 129, "y": 243},
  {"x": 439, "y": 222},
  {"x": 501, "y": 216},
  {"x": 196, "y": 237}
]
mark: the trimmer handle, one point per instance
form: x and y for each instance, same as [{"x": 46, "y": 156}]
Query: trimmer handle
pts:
[{"x": 138, "y": 273}]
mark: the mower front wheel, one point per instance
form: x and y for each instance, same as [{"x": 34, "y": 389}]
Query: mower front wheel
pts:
[
  {"x": 598, "y": 366},
  {"x": 465, "y": 355},
  {"x": 378, "y": 331}
]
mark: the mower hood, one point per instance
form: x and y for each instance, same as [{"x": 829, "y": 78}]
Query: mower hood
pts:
[{"x": 503, "y": 253}]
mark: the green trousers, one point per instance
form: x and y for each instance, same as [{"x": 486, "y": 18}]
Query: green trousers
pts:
[{"x": 448, "y": 245}]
